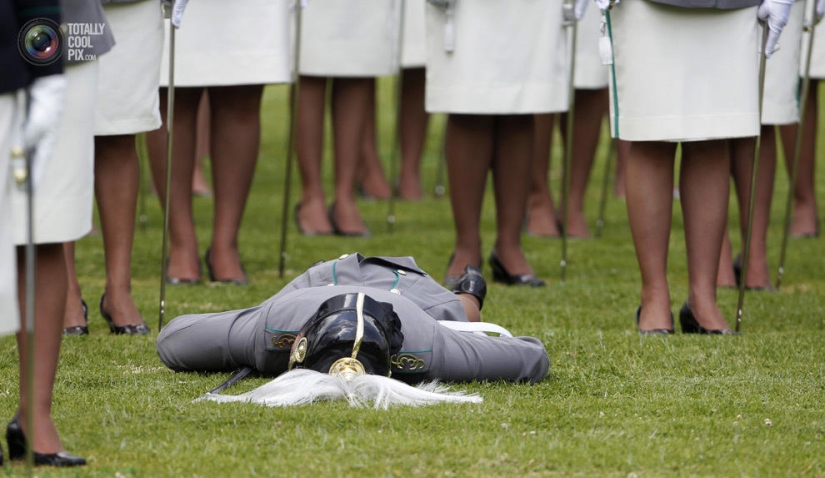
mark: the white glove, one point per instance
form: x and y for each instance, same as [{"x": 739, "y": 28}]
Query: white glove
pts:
[
  {"x": 47, "y": 96},
  {"x": 819, "y": 10},
  {"x": 175, "y": 9},
  {"x": 605, "y": 4},
  {"x": 581, "y": 6},
  {"x": 776, "y": 13}
]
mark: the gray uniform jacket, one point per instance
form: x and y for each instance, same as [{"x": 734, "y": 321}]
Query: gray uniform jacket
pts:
[{"x": 262, "y": 336}]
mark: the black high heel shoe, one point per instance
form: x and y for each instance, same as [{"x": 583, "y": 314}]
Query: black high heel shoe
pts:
[
  {"x": 653, "y": 331},
  {"x": 500, "y": 274},
  {"x": 691, "y": 326},
  {"x": 131, "y": 329},
  {"x": 78, "y": 329},
  {"x": 208, "y": 260},
  {"x": 453, "y": 281},
  {"x": 737, "y": 274},
  {"x": 18, "y": 445}
]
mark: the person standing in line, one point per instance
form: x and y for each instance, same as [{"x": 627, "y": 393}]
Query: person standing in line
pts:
[
  {"x": 700, "y": 90},
  {"x": 780, "y": 108},
  {"x": 492, "y": 66},
  {"x": 127, "y": 105},
  {"x": 58, "y": 135},
  {"x": 214, "y": 54},
  {"x": 591, "y": 106},
  {"x": 346, "y": 44}
]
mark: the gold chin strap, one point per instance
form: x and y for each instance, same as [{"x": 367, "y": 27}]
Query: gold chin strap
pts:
[{"x": 349, "y": 368}]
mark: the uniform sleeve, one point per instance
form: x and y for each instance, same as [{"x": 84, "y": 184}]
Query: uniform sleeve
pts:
[
  {"x": 467, "y": 356},
  {"x": 218, "y": 342}
]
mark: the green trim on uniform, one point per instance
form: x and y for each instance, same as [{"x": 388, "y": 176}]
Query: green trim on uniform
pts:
[{"x": 613, "y": 77}]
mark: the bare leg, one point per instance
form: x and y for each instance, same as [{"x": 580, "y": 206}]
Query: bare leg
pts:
[
  {"x": 470, "y": 304},
  {"x": 50, "y": 290},
  {"x": 511, "y": 176},
  {"x": 73, "y": 315},
  {"x": 705, "y": 189},
  {"x": 742, "y": 157},
  {"x": 414, "y": 121},
  {"x": 349, "y": 98},
  {"x": 312, "y": 215},
  {"x": 591, "y": 106},
  {"x": 200, "y": 187},
  {"x": 371, "y": 172},
  {"x": 622, "y": 155},
  {"x": 183, "y": 245},
  {"x": 117, "y": 179},
  {"x": 236, "y": 131},
  {"x": 469, "y": 151},
  {"x": 805, "y": 218},
  {"x": 541, "y": 215},
  {"x": 649, "y": 177}
]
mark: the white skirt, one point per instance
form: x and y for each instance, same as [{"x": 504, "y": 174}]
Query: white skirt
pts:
[
  {"x": 818, "y": 55},
  {"x": 352, "y": 38},
  {"x": 63, "y": 199},
  {"x": 128, "y": 86},
  {"x": 683, "y": 74},
  {"x": 780, "y": 104},
  {"x": 590, "y": 73},
  {"x": 510, "y": 57},
  {"x": 9, "y": 319},
  {"x": 414, "y": 46},
  {"x": 220, "y": 43}
]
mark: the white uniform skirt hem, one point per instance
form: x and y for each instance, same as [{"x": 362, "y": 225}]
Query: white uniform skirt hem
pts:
[
  {"x": 700, "y": 84},
  {"x": 63, "y": 200},
  {"x": 414, "y": 46},
  {"x": 590, "y": 73},
  {"x": 350, "y": 38},
  {"x": 780, "y": 105},
  {"x": 818, "y": 55},
  {"x": 128, "y": 100},
  {"x": 9, "y": 319},
  {"x": 219, "y": 43},
  {"x": 509, "y": 58}
]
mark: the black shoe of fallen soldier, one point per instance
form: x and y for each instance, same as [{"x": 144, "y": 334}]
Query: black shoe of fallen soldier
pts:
[{"x": 473, "y": 283}]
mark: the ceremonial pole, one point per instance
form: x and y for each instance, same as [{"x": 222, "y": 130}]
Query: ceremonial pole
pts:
[
  {"x": 293, "y": 127},
  {"x": 752, "y": 191},
  {"x": 570, "y": 23},
  {"x": 395, "y": 156},
  {"x": 170, "y": 128},
  {"x": 806, "y": 84}
]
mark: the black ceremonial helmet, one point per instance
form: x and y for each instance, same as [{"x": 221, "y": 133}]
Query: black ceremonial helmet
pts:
[{"x": 349, "y": 335}]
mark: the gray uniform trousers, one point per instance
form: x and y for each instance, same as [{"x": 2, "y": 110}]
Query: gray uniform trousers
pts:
[{"x": 262, "y": 336}]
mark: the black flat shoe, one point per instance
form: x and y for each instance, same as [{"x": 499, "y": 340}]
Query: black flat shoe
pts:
[
  {"x": 79, "y": 329},
  {"x": 653, "y": 331},
  {"x": 691, "y": 326},
  {"x": 131, "y": 329},
  {"x": 473, "y": 283},
  {"x": 452, "y": 281},
  {"x": 501, "y": 275},
  {"x": 337, "y": 230},
  {"x": 18, "y": 445},
  {"x": 207, "y": 258}
]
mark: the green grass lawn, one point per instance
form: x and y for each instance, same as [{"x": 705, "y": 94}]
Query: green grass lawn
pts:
[{"x": 614, "y": 403}]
